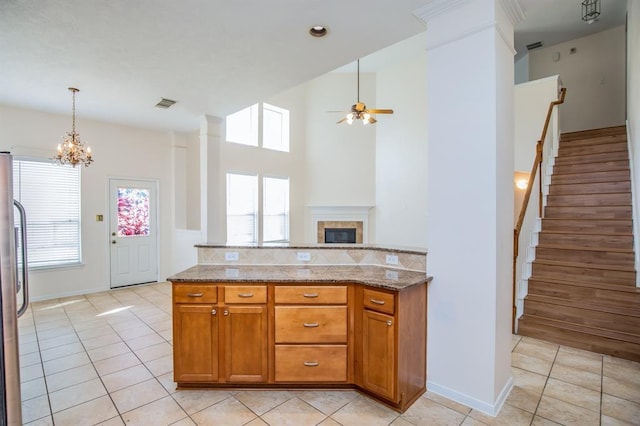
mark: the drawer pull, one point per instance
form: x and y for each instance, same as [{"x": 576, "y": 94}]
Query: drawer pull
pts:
[
  {"x": 310, "y": 295},
  {"x": 311, "y": 324},
  {"x": 377, "y": 302},
  {"x": 245, "y": 294},
  {"x": 311, "y": 363},
  {"x": 194, "y": 294}
]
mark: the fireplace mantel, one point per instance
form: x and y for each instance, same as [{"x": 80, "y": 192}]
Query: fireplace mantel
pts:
[{"x": 336, "y": 214}]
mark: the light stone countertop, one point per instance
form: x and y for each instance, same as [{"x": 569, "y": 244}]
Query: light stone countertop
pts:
[
  {"x": 374, "y": 276},
  {"x": 319, "y": 246}
]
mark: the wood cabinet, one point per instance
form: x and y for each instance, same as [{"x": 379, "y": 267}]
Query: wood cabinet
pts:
[
  {"x": 392, "y": 343},
  {"x": 344, "y": 335},
  {"x": 220, "y": 342}
]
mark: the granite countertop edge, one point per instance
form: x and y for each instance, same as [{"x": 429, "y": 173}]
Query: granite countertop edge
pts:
[
  {"x": 392, "y": 249},
  {"x": 371, "y": 276}
]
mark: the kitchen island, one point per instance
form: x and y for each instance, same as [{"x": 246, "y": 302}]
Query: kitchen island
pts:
[{"x": 240, "y": 321}]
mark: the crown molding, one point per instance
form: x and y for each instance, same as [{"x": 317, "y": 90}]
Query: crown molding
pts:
[
  {"x": 514, "y": 10},
  {"x": 434, "y": 8}
]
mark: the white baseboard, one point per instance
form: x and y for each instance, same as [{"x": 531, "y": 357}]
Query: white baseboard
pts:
[{"x": 487, "y": 408}]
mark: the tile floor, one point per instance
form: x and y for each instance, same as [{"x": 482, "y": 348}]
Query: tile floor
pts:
[{"x": 105, "y": 359}]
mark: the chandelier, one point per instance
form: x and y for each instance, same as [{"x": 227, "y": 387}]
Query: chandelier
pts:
[
  {"x": 72, "y": 150},
  {"x": 590, "y": 10}
]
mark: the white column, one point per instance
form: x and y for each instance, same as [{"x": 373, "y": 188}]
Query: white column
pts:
[
  {"x": 212, "y": 183},
  {"x": 470, "y": 91}
]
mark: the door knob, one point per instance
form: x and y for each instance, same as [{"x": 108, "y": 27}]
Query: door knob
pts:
[
  {"x": 113, "y": 241},
  {"x": 113, "y": 234}
]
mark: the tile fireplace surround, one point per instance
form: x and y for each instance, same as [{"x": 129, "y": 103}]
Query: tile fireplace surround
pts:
[{"x": 340, "y": 224}]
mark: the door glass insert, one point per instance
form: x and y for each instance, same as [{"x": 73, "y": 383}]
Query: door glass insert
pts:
[{"x": 133, "y": 212}]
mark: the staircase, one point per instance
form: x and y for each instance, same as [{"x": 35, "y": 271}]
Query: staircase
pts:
[{"x": 582, "y": 291}]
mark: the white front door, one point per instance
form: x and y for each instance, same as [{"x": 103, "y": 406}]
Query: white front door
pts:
[{"x": 133, "y": 233}]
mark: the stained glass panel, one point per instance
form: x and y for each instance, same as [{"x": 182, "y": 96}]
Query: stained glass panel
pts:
[{"x": 133, "y": 212}]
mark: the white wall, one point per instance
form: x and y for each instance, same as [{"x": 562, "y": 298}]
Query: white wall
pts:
[
  {"x": 633, "y": 108},
  {"x": 521, "y": 69},
  {"x": 120, "y": 152},
  {"x": 594, "y": 77},
  {"x": 531, "y": 104},
  {"x": 401, "y": 155}
]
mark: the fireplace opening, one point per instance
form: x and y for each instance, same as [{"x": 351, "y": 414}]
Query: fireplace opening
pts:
[{"x": 340, "y": 235}]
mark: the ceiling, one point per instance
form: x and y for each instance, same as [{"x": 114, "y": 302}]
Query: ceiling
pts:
[{"x": 215, "y": 57}]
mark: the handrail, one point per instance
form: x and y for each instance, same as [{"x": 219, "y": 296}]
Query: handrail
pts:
[{"x": 536, "y": 168}]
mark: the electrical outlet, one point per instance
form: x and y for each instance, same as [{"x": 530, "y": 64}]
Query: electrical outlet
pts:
[
  {"x": 304, "y": 256},
  {"x": 231, "y": 256},
  {"x": 392, "y": 259}
]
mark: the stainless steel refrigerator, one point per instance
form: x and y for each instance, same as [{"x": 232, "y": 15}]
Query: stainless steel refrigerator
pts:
[{"x": 13, "y": 281}]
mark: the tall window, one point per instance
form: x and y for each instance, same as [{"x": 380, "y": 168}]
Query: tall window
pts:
[
  {"x": 275, "y": 210},
  {"x": 242, "y": 209},
  {"x": 260, "y": 125},
  {"x": 50, "y": 195},
  {"x": 246, "y": 223}
]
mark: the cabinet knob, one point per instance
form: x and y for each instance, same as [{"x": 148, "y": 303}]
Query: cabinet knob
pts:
[
  {"x": 213, "y": 312},
  {"x": 389, "y": 322},
  {"x": 226, "y": 313}
]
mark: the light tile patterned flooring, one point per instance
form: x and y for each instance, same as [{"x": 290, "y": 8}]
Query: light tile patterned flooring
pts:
[{"x": 105, "y": 358}]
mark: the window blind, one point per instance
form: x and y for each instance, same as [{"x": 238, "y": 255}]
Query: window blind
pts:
[{"x": 50, "y": 195}]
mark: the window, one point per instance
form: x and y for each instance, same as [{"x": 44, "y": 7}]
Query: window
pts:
[
  {"x": 242, "y": 209},
  {"x": 275, "y": 210},
  {"x": 243, "y": 215},
  {"x": 50, "y": 195},
  {"x": 267, "y": 127}
]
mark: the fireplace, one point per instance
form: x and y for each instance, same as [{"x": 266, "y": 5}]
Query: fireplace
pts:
[
  {"x": 339, "y": 218},
  {"x": 340, "y": 232},
  {"x": 340, "y": 235}
]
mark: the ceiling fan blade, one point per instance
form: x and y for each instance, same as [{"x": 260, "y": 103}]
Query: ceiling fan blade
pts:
[
  {"x": 344, "y": 112},
  {"x": 379, "y": 111},
  {"x": 344, "y": 119}
]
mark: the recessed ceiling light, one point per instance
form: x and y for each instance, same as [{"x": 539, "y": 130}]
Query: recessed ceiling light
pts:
[{"x": 318, "y": 31}]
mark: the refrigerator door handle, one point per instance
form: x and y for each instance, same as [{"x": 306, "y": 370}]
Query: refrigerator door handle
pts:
[{"x": 25, "y": 275}]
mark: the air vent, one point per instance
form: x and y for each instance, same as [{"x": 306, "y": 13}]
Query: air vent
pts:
[
  {"x": 534, "y": 45},
  {"x": 165, "y": 103}
]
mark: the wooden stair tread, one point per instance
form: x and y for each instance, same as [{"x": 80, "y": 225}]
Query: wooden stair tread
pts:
[
  {"x": 586, "y": 134},
  {"x": 601, "y": 286},
  {"x": 585, "y": 329},
  {"x": 585, "y": 248},
  {"x": 585, "y": 265},
  {"x": 581, "y": 304}
]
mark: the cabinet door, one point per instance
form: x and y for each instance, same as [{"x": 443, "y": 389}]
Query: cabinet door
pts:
[
  {"x": 245, "y": 345},
  {"x": 195, "y": 345},
  {"x": 378, "y": 354}
]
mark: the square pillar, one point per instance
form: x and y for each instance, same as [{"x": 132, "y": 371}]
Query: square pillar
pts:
[
  {"x": 212, "y": 184},
  {"x": 470, "y": 91}
]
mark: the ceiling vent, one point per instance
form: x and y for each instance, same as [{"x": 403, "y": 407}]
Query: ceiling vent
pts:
[
  {"x": 165, "y": 103},
  {"x": 534, "y": 45}
]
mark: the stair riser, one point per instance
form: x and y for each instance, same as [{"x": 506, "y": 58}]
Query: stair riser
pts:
[
  {"x": 621, "y": 199},
  {"x": 620, "y": 349},
  {"x": 621, "y": 323},
  {"x": 590, "y": 167},
  {"x": 589, "y": 257},
  {"x": 567, "y": 150},
  {"x": 590, "y": 188},
  {"x": 587, "y": 294},
  {"x": 593, "y": 158},
  {"x": 591, "y": 275},
  {"x": 588, "y": 226},
  {"x": 624, "y": 242},
  {"x": 612, "y": 176},
  {"x": 607, "y": 212}
]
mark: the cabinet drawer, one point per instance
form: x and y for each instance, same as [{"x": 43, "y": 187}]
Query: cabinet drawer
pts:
[
  {"x": 305, "y": 324},
  {"x": 311, "y": 295},
  {"x": 195, "y": 293},
  {"x": 311, "y": 363},
  {"x": 245, "y": 294},
  {"x": 379, "y": 301}
]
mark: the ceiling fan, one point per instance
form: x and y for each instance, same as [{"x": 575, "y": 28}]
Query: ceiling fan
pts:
[{"x": 359, "y": 110}]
